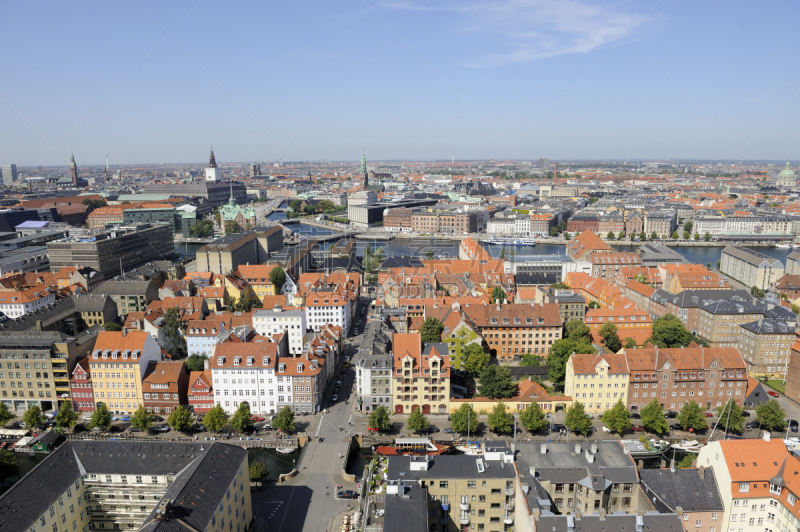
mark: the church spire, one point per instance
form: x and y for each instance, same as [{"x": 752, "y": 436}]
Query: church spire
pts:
[
  {"x": 364, "y": 169},
  {"x": 212, "y": 163}
]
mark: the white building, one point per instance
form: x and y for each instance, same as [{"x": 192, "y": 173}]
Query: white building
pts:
[
  {"x": 212, "y": 172},
  {"x": 16, "y": 303},
  {"x": 522, "y": 225},
  {"x": 291, "y": 320},
  {"x": 246, "y": 372},
  {"x": 500, "y": 226},
  {"x": 363, "y": 198}
]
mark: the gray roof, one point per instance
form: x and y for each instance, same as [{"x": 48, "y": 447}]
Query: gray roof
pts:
[
  {"x": 407, "y": 511},
  {"x": 752, "y": 257},
  {"x": 731, "y": 307},
  {"x": 684, "y": 488},
  {"x": 649, "y": 522},
  {"x": 91, "y": 302},
  {"x": 448, "y": 466},
  {"x": 48, "y": 314},
  {"x": 769, "y": 326},
  {"x": 203, "y": 472},
  {"x": 701, "y": 298},
  {"x": 125, "y": 288}
]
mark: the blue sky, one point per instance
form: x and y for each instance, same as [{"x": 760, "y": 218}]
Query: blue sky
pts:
[{"x": 404, "y": 79}]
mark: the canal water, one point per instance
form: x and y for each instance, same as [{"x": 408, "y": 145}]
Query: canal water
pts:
[{"x": 274, "y": 462}]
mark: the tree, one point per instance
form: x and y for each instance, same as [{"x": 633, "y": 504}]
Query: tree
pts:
[
  {"x": 687, "y": 235},
  {"x": 33, "y": 417},
  {"x": 180, "y": 419},
  {"x": 101, "y": 417},
  {"x": 284, "y": 421},
  {"x": 533, "y": 418},
  {"x": 707, "y": 236},
  {"x": 278, "y": 278},
  {"x": 795, "y": 308},
  {"x": 756, "y": 292},
  {"x": 498, "y": 295},
  {"x": 594, "y": 304},
  {"x": 618, "y": 419},
  {"x": 669, "y": 331},
  {"x": 577, "y": 420},
  {"x": 609, "y": 334},
  {"x": 431, "y": 330},
  {"x": 216, "y": 419},
  {"x": 241, "y": 422},
  {"x": 530, "y": 361},
  {"x": 578, "y": 331},
  {"x": 621, "y": 235},
  {"x": 708, "y": 265},
  {"x": 610, "y": 235},
  {"x": 202, "y": 229},
  {"x": 691, "y": 417},
  {"x": 653, "y": 236},
  {"x": 731, "y": 417},
  {"x": 554, "y": 231},
  {"x": 653, "y": 418},
  {"x": 496, "y": 383},
  {"x": 718, "y": 264},
  {"x": 66, "y": 416},
  {"x": 5, "y": 414},
  {"x": 257, "y": 471},
  {"x": 296, "y": 205},
  {"x": 675, "y": 235},
  {"x": 416, "y": 421},
  {"x": 325, "y": 205},
  {"x": 687, "y": 461},
  {"x": 379, "y": 419},
  {"x": 475, "y": 359},
  {"x": 97, "y": 204},
  {"x": 232, "y": 226},
  {"x": 771, "y": 416},
  {"x": 142, "y": 419},
  {"x": 688, "y": 226},
  {"x": 195, "y": 363},
  {"x": 8, "y": 465},
  {"x": 430, "y": 255},
  {"x": 173, "y": 330},
  {"x": 560, "y": 286},
  {"x": 560, "y": 352},
  {"x": 642, "y": 236},
  {"x": 111, "y": 326},
  {"x": 500, "y": 421},
  {"x": 629, "y": 343},
  {"x": 697, "y": 236},
  {"x": 464, "y": 420}
]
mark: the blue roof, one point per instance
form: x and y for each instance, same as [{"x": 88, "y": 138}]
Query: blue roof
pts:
[{"x": 32, "y": 224}]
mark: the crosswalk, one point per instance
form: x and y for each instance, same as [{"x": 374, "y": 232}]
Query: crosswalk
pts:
[{"x": 272, "y": 508}]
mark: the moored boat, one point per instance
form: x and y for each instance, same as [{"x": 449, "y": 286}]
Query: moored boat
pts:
[
  {"x": 412, "y": 446},
  {"x": 688, "y": 446},
  {"x": 643, "y": 450}
]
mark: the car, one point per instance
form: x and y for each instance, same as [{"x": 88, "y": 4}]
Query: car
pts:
[
  {"x": 347, "y": 358},
  {"x": 256, "y": 418},
  {"x": 125, "y": 418},
  {"x": 675, "y": 426},
  {"x": 751, "y": 425},
  {"x": 745, "y": 413},
  {"x": 347, "y": 494},
  {"x": 671, "y": 414},
  {"x": 558, "y": 427},
  {"x": 635, "y": 415},
  {"x": 335, "y": 397},
  {"x": 606, "y": 429},
  {"x": 339, "y": 381},
  {"x": 773, "y": 394},
  {"x": 449, "y": 431},
  {"x": 708, "y": 414},
  {"x": 638, "y": 428},
  {"x": 160, "y": 428},
  {"x": 432, "y": 429},
  {"x": 134, "y": 429}
]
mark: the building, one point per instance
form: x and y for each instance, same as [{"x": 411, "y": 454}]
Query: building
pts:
[
  {"x": 17, "y": 303},
  {"x": 790, "y": 285},
  {"x": 131, "y": 352},
  {"x": 228, "y": 253},
  {"x": 661, "y": 223},
  {"x": 9, "y": 172},
  {"x": 693, "y": 277},
  {"x": 164, "y": 386},
  {"x": 129, "y": 296},
  {"x": 655, "y": 253},
  {"x": 201, "y": 392},
  {"x": 631, "y": 320},
  {"x": 583, "y": 222},
  {"x": 202, "y": 336},
  {"x": 597, "y": 381},
  {"x": 766, "y": 345},
  {"x": 709, "y": 376},
  {"x": 290, "y": 321},
  {"x": 691, "y": 491},
  {"x": 749, "y": 267},
  {"x": 213, "y": 174},
  {"x": 242, "y": 215},
  {"x": 329, "y": 299},
  {"x": 210, "y": 194},
  {"x": 153, "y": 213},
  {"x": 719, "y": 321},
  {"x": 606, "y": 265},
  {"x": 374, "y": 368},
  {"x": 363, "y": 197},
  {"x": 398, "y": 220},
  {"x": 421, "y": 377},
  {"x": 453, "y": 481},
  {"x": 97, "y": 485},
  {"x": 115, "y": 251},
  {"x": 446, "y": 221},
  {"x": 687, "y": 304},
  {"x": 258, "y": 277},
  {"x": 513, "y": 330},
  {"x": 260, "y": 360},
  {"x": 80, "y": 388},
  {"x": 543, "y": 164},
  {"x": 96, "y": 309},
  {"x": 406, "y": 509},
  {"x": 571, "y": 305},
  {"x": 586, "y": 243}
]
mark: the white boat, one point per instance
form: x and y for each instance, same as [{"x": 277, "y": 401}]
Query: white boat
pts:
[
  {"x": 472, "y": 447},
  {"x": 688, "y": 446},
  {"x": 511, "y": 241},
  {"x": 285, "y": 450},
  {"x": 783, "y": 246}
]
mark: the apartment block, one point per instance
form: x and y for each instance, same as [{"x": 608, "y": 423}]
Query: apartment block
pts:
[
  {"x": 607, "y": 265},
  {"x": 597, "y": 381},
  {"x": 164, "y": 386},
  {"x": 282, "y": 320},
  {"x": 719, "y": 322},
  {"x": 766, "y": 345},
  {"x": 80, "y": 388},
  {"x": 421, "y": 376},
  {"x": 631, "y": 321},
  {"x": 692, "y": 492},
  {"x": 750, "y": 267}
]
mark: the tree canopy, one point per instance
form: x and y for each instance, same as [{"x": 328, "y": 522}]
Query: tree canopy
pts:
[
  {"x": 241, "y": 422},
  {"x": 8, "y": 465},
  {"x": 560, "y": 352},
  {"x": 731, "y": 417},
  {"x": 195, "y": 362},
  {"x": 33, "y": 417},
  {"x": 101, "y": 417},
  {"x": 653, "y": 418},
  {"x": 379, "y": 419},
  {"x": 215, "y": 419},
  {"x": 618, "y": 419},
  {"x": 578, "y": 332},
  {"x": 474, "y": 359},
  {"x": 669, "y": 331},
  {"x": 500, "y": 421},
  {"x": 610, "y": 337},
  {"x": 180, "y": 419},
  {"x": 464, "y": 420},
  {"x": 496, "y": 383},
  {"x": 577, "y": 420},
  {"x": 771, "y": 416},
  {"x": 498, "y": 295},
  {"x": 278, "y": 278},
  {"x": 691, "y": 417},
  {"x": 173, "y": 330},
  {"x": 66, "y": 417},
  {"x": 533, "y": 418},
  {"x": 431, "y": 330},
  {"x": 142, "y": 419},
  {"x": 5, "y": 414},
  {"x": 112, "y": 327},
  {"x": 416, "y": 421},
  {"x": 284, "y": 421}
]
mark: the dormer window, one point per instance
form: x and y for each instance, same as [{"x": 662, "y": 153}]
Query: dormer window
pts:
[
  {"x": 250, "y": 361},
  {"x": 221, "y": 361},
  {"x": 237, "y": 361},
  {"x": 94, "y": 356},
  {"x": 265, "y": 361},
  {"x": 281, "y": 368}
]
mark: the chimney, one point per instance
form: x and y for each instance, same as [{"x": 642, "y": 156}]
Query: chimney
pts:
[
  {"x": 694, "y": 463},
  {"x": 577, "y": 448},
  {"x": 543, "y": 449},
  {"x": 602, "y": 513},
  {"x": 577, "y": 513},
  {"x": 498, "y": 306},
  {"x": 590, "y": 458},
  {"x": 205, "y": 365},
  {"x": 663, "y": 464},
  {"x": 672, "y": 465},
  {"x": 679, "y": 512},
  {"x": 533, "y": 471},
  {"x": 702, "y": 472},
  {"x": 536, "y": 514},
  {"x": 124, "y": 331},
  {"x": 594, "y": 448},
  {"x": 641, "y": 464}
]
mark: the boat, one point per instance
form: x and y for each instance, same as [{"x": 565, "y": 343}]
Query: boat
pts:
[
  {"x": 472, "y": 447},
  {"x": 688, "y": 446},
  {"x": 649, "y": 449},
  {"x": 412, "y": 446},
  {"x": 285, "y": 450},
  {"x": 783, "y": 246},
  {"x": 511, "y": 241}
]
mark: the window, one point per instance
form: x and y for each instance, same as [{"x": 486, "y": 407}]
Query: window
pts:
[
  {"x": 744, "y": 486},
  {"x": 713, "y": 515},
  {"x": 443, "y": 484},
  {"x": 698, "y": 523},
  {"x": 471, "y": 484}
]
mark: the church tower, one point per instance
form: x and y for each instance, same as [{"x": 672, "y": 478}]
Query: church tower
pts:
[
  {"x": 73, "y": 169},
  {"x": 212, "y": 172},
  {"x": 364, "y": 170}
]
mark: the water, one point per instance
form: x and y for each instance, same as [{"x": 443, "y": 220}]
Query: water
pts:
[
  {"x": 187, "y": 250},
  {"x": 307, "y": 230},
  {"x": 358, "y": 460},
  {"x": 274, "y": 462},
  {"x": 277, "y": 215}
]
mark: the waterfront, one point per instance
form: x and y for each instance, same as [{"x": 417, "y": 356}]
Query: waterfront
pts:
[{"x": 275, "y": 463}]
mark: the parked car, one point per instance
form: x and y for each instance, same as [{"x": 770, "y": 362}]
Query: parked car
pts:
[
  {"x": 671, "y": 414},
  {"x": 335, "y": 397},
  {"x": 745, "y": 413},
  {"x": 449, "y": 431},
  {"x": 432, "y": 429},
  {"x": 751, "y": 425},
  {"x": 773, "y": 394},
  {"x": 558, "y": 427},
  {"x": 125, "y": 418},
  {"x": 606, "y": 429},
  {"x": 638, "y": 428},
  {"x": 675, "y": 426},
  {"x": 708, "y": 414},
  {"x": 635, "y": 415},
  {"x": 160, "y": 428},
  {"x": 256, "y": 418},
  {"x": 134, "y": 429},
  {"x": 347, "y": 494}
]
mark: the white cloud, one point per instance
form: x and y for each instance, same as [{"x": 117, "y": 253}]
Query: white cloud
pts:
[{"x": 526, "y": 30}]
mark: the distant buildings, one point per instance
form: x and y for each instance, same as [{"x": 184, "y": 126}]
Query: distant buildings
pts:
[
  {"x": 544, "y": 164},
  {"x": 9, "y": 172}
]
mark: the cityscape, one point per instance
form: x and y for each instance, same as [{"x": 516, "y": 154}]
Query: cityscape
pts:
[{"x": 509, "y": 266}]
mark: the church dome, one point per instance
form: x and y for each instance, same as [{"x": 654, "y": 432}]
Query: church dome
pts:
[{"x": 787, "y": 173}]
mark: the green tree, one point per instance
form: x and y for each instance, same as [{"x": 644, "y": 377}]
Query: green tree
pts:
[
  {"x": 5, "y": 414},
  {"x": 688, "y": 226},
  {"x": 560, "y": 286},
  {"x": 697, "y": 236},
  {"x": 795, "y": 308},
  {"x": 686, "y": 462},
  {"x": 610, "y": 235},
  {"x": 241, "y": 422},
  {"x": 284, "y": 421},
  {"x": 464, "y": 420},
  {"x": 718, "y": 264},
  {"x": 379, "y": 419},
  {"x": 708, "y": 265},
  {"x": 691, "y": 417},
  {"x": 232, "y": 226},
  {"x": 560, "y": 352},
  {"x": 173, "y": 330},
  {"x": 101, "y": 417},
  {"x": 215, "y": 419},
  {"x": 594, "y": 304},
  {"x": 202, "y": 229},
  {"x": 609, "y": 334},
  {"x": 653, "y": 418},
  {"x": 416, "y": 421},
  {"x": 475, "y": 359},
  {"x": 731, "y": 417},
  {"x": 195, "y": 363},
  {"x": 756, "y": 292},
  {"x": 111, "y": 326},
  {"x": 618, "y": 419},
  {"x": 257, "y": 471},
  {"x": 578, "y": 332},
  {"x": 653, "y": 236},
  {"x": 642, "y": 236},
  {"x": 771, "y": 416},
  {"x": 621, "y": 235},
  {"x": 498, "y": 295},
  {"x": 278, "y": 278},
  {"x": 533, "y": 418},
  {"x": 495, "y": 383},
  {"x": 325, "y": 205},
  {"x": 687, "y": 235},
  {"x": 142, "y": 419},
  {"x": 669, "y": 331},
  {"x": 629, "y": 343},
  {"x": 33, "y": 417},
  {"x": 66, "y": 417},
  {"x": 296, "y": 205},
  {"x": 431, "y": 330},
  {"x": 530, "y": 361},
  {"x": 577, "y": 420},
  {"x": 8, "y": 465},
  {"x": 500, "y": 421},
  {"x": 180, "y": 419},
  {"x": 675, "y": 235},
  {"x": 430, "y": 255},
  {"x": 707, "y": 236}
]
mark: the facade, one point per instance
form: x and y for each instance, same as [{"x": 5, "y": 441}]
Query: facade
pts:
[
  {"x": 691, "y": 491},
  {"x": 150, "y": 214},
  {"x": 202, "y": 336},
  {"x": 631, "y": 320},
  {"x": 96, "y": 309},
  {"x": 248, "y": 372},
  {"x": 243, "y": 215},
  {"x": 201, "y": 392},
  {"x": 129, "y": 296},
  {"x": 661, "y": 223},
  {"x": 107, "y": 485},
  {"x": 421, "y": 377},
  {"x": 17, "y": 303},
  {"x": 164, "y": 386},
  {"x": 214, "y": 194},
  {"x": 571, "y": 305},
  {"x": 9, "y": 172},
  {"x": 442, "y": 221},
  {"x": 687, "y": 304},
  {"x": 766, "y": 345},
  {"x": 719, "y": 322},
  {"x": 125, "y": 248},
  {"x": 228, "y": 253},
  {"x": 597, "y": 381},
  {"x": 607, "y": 265},
  {"x": 330, "y": 299},
  {"x": 80, "y": 388},
  {"x": 750, "y": 267},
  {"x": 373, "y": 366},
  {"x": 693, "y": 277},
  {"x": 583, "y": 222},
  {"x": 131, "y": 353},
  {"x": 282, "y": 320},
  {"x": 398, "y": 220}
]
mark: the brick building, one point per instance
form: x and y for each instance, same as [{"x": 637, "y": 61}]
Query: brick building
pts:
[
  {"x": 80, "y": 388},
  {"x": 606, "y": 265},
  {"x": 201, "y": 392},
  {"x": 583, "y": 222},
  {"x": 586, "y": 243},
  {"x": 164, "y": 386},
  {"x": 421, "y": 376},
  {"x": 398, "y": 220}
]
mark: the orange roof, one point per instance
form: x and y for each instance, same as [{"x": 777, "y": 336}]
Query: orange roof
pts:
[
  {"x": 585, "y": 242},
  {"x": 751, "y": 460},
  {"x": 117, "y": 341},
  {"x": 587, "y": 364}
]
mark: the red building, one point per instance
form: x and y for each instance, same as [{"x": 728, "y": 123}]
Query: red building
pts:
[
  {"x": 80, "y": 388},
  {"x": 164, "y": 386},
  {"x": 201, "y": 392}
]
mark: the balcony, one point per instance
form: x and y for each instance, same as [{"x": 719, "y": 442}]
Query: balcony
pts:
[
  {"x": 464, "y": 520},
  {"x": 510, "y": 492},
  {"x": 509, "y": 518},
  {"x": 446, "y": 507},
  {"x": 509, "y": 506},
  {"x": 464, "y": 506}
]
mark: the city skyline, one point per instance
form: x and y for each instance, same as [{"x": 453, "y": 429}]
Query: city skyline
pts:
[{"x": 510, "y": 80}]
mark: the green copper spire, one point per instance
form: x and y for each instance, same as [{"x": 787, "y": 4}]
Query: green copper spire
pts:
[{"x": 363, "y": 163}]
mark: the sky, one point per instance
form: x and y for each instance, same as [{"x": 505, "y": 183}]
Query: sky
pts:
[{"x": 159, "y": 82}]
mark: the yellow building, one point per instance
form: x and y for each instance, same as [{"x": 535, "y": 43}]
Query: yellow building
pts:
[
  {"x": 117, "y": 366},
  {"x": 257, "y": 276},
  {"x": 421, "y": 377},
  {"x": 597, "y": 381}
]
